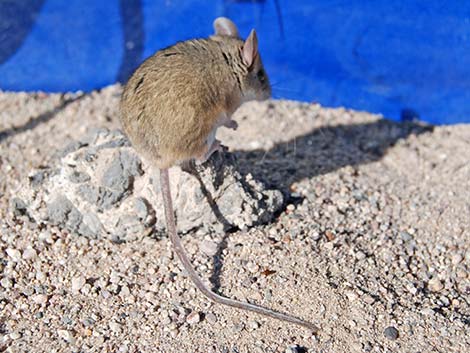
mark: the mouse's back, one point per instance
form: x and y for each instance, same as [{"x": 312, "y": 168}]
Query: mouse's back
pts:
[{"x": 173, "y": 100}]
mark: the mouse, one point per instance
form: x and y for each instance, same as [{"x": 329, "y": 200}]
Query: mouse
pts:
[{"x": 172, "y": 106}]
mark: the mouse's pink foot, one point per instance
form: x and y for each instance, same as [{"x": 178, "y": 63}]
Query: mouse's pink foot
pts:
[
  {"x": 231, "y": 124},
  {"x": 215, "y": 147}
]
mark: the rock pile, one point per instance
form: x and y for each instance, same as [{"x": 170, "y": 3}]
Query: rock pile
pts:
[{"x": 101, "y": 188}]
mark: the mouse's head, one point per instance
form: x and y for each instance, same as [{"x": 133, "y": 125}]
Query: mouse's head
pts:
[{"x": 253, "y": 79}]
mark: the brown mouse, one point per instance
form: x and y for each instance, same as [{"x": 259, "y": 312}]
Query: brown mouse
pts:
[{"x": 173, "y": 104}]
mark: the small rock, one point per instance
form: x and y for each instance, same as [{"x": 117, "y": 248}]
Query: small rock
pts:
[
  {"x": 368, "y": 299},
  {"x": 316, "y": 235},
  {"x": 253, "y": 325},
  {"x": 391, "y": 333},
  {"x": 40, "y": 276},
  {"x": 123, "y": 348},
  {"x": 294, "y": 349},
  {"x": 115, "y": 327},
  {"x": 105, "y": 294},
  {"x": 6, "y": 283},
  {"x": 352, "y": 296},
  {"x": 29, "y": 253},
  {"x": 435, "y": 285},
  {"x": 14, "y": 254},
  {"x": 15, "y": 335},
  {"x": 141, "y": 207},
  {"x": 238, "y": 327},
  {"x": 456, "y": 259},
  {"x": 193, "y": 318},
  {"x": 40, "y": 299},
  {"x": 67, "y": 336},
  {"x": 125, "y": 292},
  {"x": 360, "y": 255},
  {"x": 211, "y": 318},
  {"x": 77, "y": 283},
  {"x": 406, "y": 236},
  {"x": 252, "y": 267},
  {"x": 174, "y": 332},
  {"x": 208, "y": 247}
]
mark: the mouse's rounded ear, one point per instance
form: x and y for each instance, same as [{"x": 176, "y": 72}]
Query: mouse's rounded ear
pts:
[
  {"x": 223, "y": 26},
  {"x": 250, "y": 48}
]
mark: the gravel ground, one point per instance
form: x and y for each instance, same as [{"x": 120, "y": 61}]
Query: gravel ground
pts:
[{"x": 372, "y": 245}]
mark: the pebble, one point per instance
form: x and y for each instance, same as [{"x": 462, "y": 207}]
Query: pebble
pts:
[
  {"x": 115, "y": 327},
  {"x": 238, "y": 327},
  {"x": 252, "y": 267},
  {"x": 15, "y": 254},
  {"x": 435, "y": 285},
  {"x": 125, "y": 292},
  {"x": 253, "y": 325},
  {"x": 352, "y": 296},
  {"x": 391, "y": 333},
  {"x": 193, "y": 318},
  {"x": 456, "y": 259},
  {"x": 40, "y": 299},
  {"x": 66, "y": 335},
  {"x": 211, "y": 318},
  {"x": 15, "y": 335},
  {"x": 40, "y": 276},
  {"x": 6, "y": 283},
  {"x": 77, "y": 283},
  {"x": 360, "y": 255},
  {"x": 208, "y": 247},
  {"x": 294, "y": 349},
  {"x": 29, "y": 253}
]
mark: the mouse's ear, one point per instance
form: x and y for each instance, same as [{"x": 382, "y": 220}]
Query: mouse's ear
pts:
[
  {"x": 225, "y": 27},
  {"x": 250, "y": 48}
]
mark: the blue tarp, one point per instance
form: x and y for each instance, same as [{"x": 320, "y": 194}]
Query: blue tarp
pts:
[{"x": 404, "y": 59}]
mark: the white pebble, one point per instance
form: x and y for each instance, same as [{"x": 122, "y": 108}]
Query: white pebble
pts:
[
  {"x": 211, "y": 318},
  {"x": 456, "y": 259},
  {"x": 193, "y": 318},
  {"x": 29, "y": 253},
  {"x": 40, "y": 276},
  {"x": 40, "y": 299},
  {"x": 14, "y": 254},
  {"x": 114, "y": 326},
  {"x": 15, "y": 335},
  {"x": 67, "y": 336},
  {"x": 435, "y": 285},
  {"x": 6, "y": 283},
  {"x": 252, "y": 267},
  {"x": 352, "y": 296},
  {"x": 125, "y": 292},
  {"x": 77, "y": 283},
  {"x": 208, "y": 247}
]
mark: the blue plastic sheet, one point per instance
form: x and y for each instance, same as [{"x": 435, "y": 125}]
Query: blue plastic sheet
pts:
[{"x": 404, "y": 59}]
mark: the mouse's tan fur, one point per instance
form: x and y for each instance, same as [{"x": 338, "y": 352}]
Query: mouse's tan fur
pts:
[{"x": 178, "y": 96}]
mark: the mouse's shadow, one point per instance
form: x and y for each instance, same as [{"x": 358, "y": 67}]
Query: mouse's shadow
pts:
[
  {"x": 320, "y": 151},
  {"x": 324, "y": 150}
]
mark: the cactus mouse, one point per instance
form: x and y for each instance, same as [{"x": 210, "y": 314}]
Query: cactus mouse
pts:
[{"x": 173, "y": 105}]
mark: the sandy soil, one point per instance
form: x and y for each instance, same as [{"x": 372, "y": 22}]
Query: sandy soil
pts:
[{"x": 372, "y": 245}]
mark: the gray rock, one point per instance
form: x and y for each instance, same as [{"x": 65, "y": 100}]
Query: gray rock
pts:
[
  {"x": 18, "y": 206},
  {"x": 78, "y": 177},
  {"x": 100, "y": 187},
  {"x": 391, "y": 333},
  {"x": 142, "y": 207},
  {"x": 58, "y": 210}
]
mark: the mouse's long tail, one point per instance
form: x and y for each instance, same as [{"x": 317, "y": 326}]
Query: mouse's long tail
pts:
[{"x": 178, "y": 248}]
